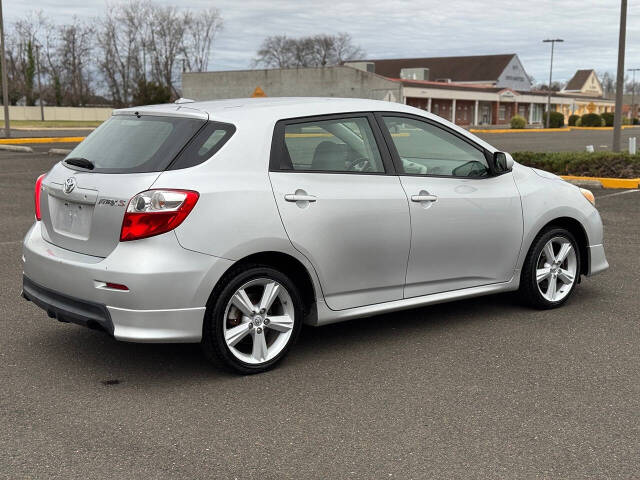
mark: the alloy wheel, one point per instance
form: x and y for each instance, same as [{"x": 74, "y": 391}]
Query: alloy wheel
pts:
[
  {"x": 258, "y": 321},
  {"x": 556, "y": 269}
]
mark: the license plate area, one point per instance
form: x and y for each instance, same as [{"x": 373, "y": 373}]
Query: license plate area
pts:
[{"x": 70, "y": 218}]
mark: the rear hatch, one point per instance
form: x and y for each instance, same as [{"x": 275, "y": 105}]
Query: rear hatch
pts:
[{"x": 84, "y": 197}]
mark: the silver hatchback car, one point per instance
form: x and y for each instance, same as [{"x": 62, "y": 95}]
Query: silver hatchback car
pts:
[{"x": 231, "y": 223}]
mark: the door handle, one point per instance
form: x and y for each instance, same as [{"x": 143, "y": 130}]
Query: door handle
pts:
[
  {"x": 423, "y": 198},
  {"x": 296, "y": 197}
]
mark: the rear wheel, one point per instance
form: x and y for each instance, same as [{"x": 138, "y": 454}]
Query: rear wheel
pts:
[
  {"x": 551, "y": 269},
  {"x": 255, "y": 318}
]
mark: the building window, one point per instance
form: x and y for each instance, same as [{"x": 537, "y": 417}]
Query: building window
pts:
[{"x": 502, "y": 112}]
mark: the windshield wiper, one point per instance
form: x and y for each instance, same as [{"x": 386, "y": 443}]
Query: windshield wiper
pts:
[{"x": 80, "y": 162}]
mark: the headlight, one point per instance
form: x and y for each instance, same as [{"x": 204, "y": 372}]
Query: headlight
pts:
[{"x": 588, "y": 195}]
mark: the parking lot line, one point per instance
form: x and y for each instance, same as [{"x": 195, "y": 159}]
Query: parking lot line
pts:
[{"x": 618, "y": 193}]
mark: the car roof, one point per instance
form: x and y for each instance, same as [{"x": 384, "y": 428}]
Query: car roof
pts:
[
  {"x": 249, "y": 111},
  {"x": 275, "y": 107}
]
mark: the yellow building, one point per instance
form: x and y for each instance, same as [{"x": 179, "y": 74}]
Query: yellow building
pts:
[{"x": 587, "y": 94}]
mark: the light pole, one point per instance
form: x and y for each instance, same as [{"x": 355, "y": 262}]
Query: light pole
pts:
[
  {"x": 617, "y": 117},
  {"x": 39, "y": 81},
  {"x": 553, "y": 42},
  {"x": 633, "y": 91},
  {"x": 5, "y": 85}
]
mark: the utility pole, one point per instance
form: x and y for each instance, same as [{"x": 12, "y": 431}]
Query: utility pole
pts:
[
  {"x": 39, "y": 81},
  {"x": 553, "y": 42},
  {"x": 5, "y": 84},
  {"x": 617, "y": 117},
  {"x": 633, "y": 92}
]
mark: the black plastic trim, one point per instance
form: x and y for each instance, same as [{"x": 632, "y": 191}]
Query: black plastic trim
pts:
[{"x": 66, "y": 308}]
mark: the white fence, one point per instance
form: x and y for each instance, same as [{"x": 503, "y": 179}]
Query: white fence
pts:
[{"x": 57, "y": 113}]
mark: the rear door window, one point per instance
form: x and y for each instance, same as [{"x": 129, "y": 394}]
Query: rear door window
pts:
[
  {"x": 132, "y": 144},
  {"x": 341, "y": 145}
]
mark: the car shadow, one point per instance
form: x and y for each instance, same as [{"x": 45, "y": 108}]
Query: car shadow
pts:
[{"x": 87, "y": 352}]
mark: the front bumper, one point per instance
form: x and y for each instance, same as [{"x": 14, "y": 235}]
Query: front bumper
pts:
[
  {"x": 597, "y": 260},
  {"x": 168, "y": 287}
]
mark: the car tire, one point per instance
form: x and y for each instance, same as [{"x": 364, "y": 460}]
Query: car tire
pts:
[
  {"x": 243, "y": 351},
  {"x": 539, "y": 274}
]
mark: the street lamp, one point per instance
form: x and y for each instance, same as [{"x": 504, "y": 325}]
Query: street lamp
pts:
[
  {"x": 633, "y": 91},
  {"x": 553, "y": 42}
]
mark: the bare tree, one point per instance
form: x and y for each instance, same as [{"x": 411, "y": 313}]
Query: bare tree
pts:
[
  {"x": 202, "y": 28},
  {"x": 317, "y": 51},
  {"x": 344, "y": 48},
  {"x": 74, "y": 52},
  {"x": 52, "y": 64},
  {"x": 275, "y": 51},
  {"x": 608, "y": 81},
  {"x": 21, "y": 56},
  {"x": 119, "y": 40},
  {"x": 135, "y": 50},
  {"x": 167, "y": 36}
]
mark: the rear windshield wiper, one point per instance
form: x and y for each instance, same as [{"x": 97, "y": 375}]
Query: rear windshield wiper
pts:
[{"x": 80, "y": 162}]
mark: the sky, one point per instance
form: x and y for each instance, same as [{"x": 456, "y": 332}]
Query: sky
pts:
[{"x": 409, "y": 28}]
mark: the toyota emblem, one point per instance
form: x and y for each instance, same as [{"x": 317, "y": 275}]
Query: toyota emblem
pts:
[{"x": 69, "y": 185}]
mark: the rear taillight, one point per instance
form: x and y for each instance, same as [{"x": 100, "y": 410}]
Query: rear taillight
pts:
[
  {"x": 156, "y": 211},
  {"x": 36, "y": 195}
]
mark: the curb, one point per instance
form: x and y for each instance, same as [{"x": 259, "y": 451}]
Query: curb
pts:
[
  {"x": 603, "y": 129},
  {"x": 59, "y": 151},
  {"x": 519, "y": 130},
  {"x": 543, "y": 130},
  {"x": 16, "y": 148},
  {"x": 10, "y": 141},
  {"x": 52, "y": 129},
  {"x": 590, "y": 184},
  {"x": 604, "y": 182}
]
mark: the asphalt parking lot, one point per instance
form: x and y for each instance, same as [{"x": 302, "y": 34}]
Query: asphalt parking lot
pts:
[
  {"x": 573, "y": 141},
  {"x": 481, "y": 388}
]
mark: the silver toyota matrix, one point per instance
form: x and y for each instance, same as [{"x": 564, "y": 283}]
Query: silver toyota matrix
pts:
[{"x": 231, "y": 223}]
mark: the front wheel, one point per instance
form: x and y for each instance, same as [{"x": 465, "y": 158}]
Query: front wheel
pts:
[
  {"x": 551, "y": 269},
  {"x": 255, "y": 318}
]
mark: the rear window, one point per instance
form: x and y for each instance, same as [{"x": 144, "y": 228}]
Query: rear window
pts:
[
  {"x": 204, "y": 145},
  {"x": 131, "y": 144}
]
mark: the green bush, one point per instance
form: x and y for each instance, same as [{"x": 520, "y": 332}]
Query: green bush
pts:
[
  {"x": 518, "y": 122},
  {"x": 636, "y": 121},
  {"x": 608, "y": 119},
  {"x": 556, "y": 120},
  {"x": 598, "y": 164},
  {"x": 573, "y": 119},
  {"x": 591, "y": 120},
  {"x": 626, "y": 121},
  {"x": 579, "y": 122}
]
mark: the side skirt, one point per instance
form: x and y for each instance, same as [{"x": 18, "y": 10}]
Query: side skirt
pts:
[{"x": 326, "y": 316}]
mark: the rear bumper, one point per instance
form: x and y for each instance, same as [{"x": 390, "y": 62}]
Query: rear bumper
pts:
[
  {"x": 66, "y": 308},
  {"x": 168, "y": 287}
]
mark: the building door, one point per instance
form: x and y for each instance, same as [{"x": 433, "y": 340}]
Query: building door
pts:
[{"x": 485, "y": 114}]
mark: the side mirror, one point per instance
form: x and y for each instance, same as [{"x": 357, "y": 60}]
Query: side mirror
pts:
[{"x": 502, "y": 162}]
